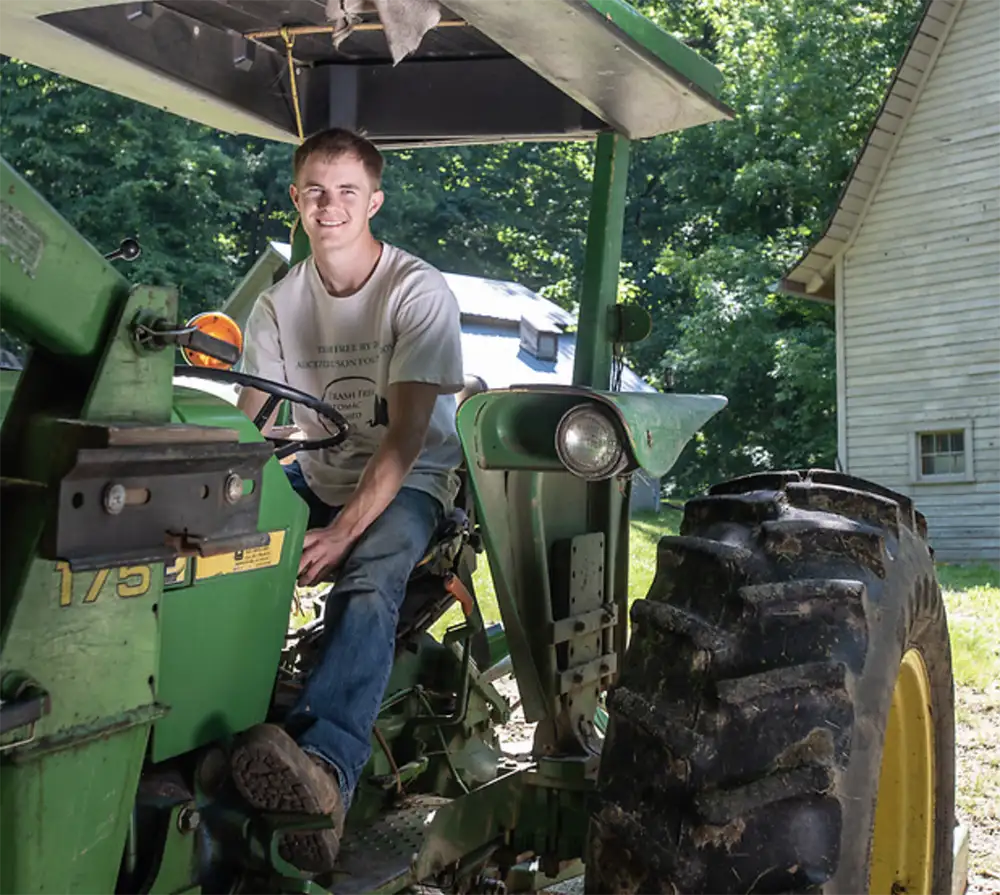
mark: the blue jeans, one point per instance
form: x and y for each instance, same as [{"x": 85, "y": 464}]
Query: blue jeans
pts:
[{"x": 335, "y": 715}]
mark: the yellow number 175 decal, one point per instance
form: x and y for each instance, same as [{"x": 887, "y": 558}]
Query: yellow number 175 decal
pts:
[{"x": 131, "y": 581}]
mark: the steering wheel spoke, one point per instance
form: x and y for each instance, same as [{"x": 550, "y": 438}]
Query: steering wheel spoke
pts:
[
  {"x": 276, "y": 393},
  {"x": 264, "y": 414}
]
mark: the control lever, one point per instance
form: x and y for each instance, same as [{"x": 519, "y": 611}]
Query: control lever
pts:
[
  {"x": 22, "y": 703},
  {"x": 213, "y": 347},
  {"x": 154, "y": 335},
  {"x": 129, "y": 250}
]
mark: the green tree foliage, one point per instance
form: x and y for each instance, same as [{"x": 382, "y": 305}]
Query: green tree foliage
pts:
[
  {"x": 116, "y": 168},
  {"x": 729, "y": 207},
  {"x": 715, "y": 215},
  {"x": 512, "y": 211}
]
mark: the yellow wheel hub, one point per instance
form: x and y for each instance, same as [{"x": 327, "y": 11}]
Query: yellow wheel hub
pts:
[{"x": 903, "y": 844}]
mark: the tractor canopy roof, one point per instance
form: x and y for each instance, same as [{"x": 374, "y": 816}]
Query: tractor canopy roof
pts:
[{"x": 471, "y": 71}]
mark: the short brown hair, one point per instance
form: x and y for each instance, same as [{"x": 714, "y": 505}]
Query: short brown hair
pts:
[{"x": 338, "y": 141}]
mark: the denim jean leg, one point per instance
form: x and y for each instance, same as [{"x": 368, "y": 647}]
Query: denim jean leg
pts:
[
  {"x": 320, "y": 513},
  {"x": 337, "y": 710}
]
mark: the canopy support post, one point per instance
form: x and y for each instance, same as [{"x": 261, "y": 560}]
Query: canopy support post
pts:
[{"x": 592, "y": 366}]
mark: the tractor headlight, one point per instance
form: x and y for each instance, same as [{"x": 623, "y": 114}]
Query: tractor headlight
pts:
[{"x": 589, "y": 444}]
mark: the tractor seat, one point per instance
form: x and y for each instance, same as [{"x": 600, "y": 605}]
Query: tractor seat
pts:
[
  {"x": 474, "y": 385},
  {"x": 451, "y": 552},
  {"x": 429, "y": 591}
]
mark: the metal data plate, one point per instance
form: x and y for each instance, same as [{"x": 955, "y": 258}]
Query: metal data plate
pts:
[{"x": 177, "y": 503}]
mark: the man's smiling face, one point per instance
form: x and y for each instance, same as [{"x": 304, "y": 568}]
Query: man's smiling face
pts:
[{"x": 335, "y": 198}]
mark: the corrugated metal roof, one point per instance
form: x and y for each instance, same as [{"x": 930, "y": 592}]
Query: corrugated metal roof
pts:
[
  {"x": 495, "y": 355},
  {"x": 812, "y": 275},
  {"x": 9, "y": 360},
  {"x": 500, "y": 300}
]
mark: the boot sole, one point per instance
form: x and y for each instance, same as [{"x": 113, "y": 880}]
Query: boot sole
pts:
[{"x": 273, "y": 775}]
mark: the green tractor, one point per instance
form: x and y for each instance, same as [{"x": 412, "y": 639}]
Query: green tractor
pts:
[{"x": 781, "y": 718}]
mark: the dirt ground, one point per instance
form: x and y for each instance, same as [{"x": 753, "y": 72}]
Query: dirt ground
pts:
[
  {"x": 977, "y": 753},
  {"x": 516, "y": 735}
]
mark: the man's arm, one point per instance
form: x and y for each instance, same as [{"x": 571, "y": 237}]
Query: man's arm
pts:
[
  {"x": 410, "y": 407},
  {"x": 262, "y": 356}
]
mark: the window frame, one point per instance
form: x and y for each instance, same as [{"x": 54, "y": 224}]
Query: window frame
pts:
[{"x": 939, "y": 427}]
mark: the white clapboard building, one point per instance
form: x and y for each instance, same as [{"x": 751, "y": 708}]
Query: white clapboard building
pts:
[{"x": 911, "y": 261}]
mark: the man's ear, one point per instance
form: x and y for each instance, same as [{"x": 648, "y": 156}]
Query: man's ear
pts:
[
  {"x": 375, "y": 203},
  {"x": 294, "y": 193}
]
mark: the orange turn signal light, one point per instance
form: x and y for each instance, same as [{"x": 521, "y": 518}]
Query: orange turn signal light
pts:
[{"x": 219, "y": 326}]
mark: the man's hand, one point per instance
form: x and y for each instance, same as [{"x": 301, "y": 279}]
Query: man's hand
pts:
[
  {"x": 410, "y": 408},
  {"x": 322, "y": 551}
]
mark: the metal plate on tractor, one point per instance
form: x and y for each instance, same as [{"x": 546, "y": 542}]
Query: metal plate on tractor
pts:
[
  {"x": 377, "y": 855},
  {"x": 178, "y": 502}
]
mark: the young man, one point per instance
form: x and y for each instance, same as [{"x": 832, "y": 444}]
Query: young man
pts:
[{"x": 375, "y": 332}]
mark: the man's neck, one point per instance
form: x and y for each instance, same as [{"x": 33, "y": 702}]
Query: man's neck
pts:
[{"x": 346, "y": 270}]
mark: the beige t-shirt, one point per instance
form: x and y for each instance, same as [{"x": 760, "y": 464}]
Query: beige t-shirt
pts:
[{"x": 402, "y": 326}]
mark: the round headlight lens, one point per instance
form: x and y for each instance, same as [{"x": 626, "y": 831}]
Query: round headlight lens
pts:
[{"x": 588, "y": 443}]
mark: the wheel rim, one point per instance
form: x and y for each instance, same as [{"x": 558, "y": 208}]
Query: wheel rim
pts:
[{"x": 903, "y": 843}]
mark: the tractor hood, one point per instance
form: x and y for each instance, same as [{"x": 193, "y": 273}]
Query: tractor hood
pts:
[{"x": 483, "y": 70}]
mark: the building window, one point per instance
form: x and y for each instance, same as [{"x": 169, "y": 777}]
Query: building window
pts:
[{"x": 943, "y": 454}]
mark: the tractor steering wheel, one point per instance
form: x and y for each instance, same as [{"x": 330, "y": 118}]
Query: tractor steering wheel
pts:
[{"x": 277, "y": 392}]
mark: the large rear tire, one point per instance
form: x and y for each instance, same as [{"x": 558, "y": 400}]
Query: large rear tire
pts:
[{"x": 795, "y": 620}]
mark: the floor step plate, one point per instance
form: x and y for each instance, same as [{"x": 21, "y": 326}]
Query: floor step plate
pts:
[{"x": 377, "y": 858}]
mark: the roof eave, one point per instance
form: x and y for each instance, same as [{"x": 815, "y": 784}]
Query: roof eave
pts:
[{"x": 823, "y": 296}]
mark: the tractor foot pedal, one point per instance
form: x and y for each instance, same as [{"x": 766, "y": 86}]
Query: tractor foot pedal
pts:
[{"x": 373, "y": 857}]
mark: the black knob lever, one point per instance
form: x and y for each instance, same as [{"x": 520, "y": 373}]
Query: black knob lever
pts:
[
  {"x": 153, "y": 333},
  {"x": 205, "y": 344},
  {"x": 129, "y": 250}
]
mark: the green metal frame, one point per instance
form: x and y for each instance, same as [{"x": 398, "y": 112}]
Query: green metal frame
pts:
[
  {"x": 532, "y": 510},
  {"x": 217, "y": 671},
  {"x": 123, "y": 656},
  {"x": 528, "y": 503},
  {"x": 99, "y": 654},
  {"x": 43, "y": 255},
  {"x": 599, "y": 292}
]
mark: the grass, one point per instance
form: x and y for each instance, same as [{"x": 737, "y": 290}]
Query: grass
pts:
[
  {"x": 972, "y": 595},
  {"x": 647, "y": 529},
  {"x": 972, "y": 598}
]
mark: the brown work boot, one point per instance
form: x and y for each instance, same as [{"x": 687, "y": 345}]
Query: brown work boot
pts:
[{"x": 273, "y": 774}]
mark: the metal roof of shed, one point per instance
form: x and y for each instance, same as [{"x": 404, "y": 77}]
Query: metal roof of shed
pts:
[
  {"x": 496, "y": 355},
  {"x": 500, "y": 300}
]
